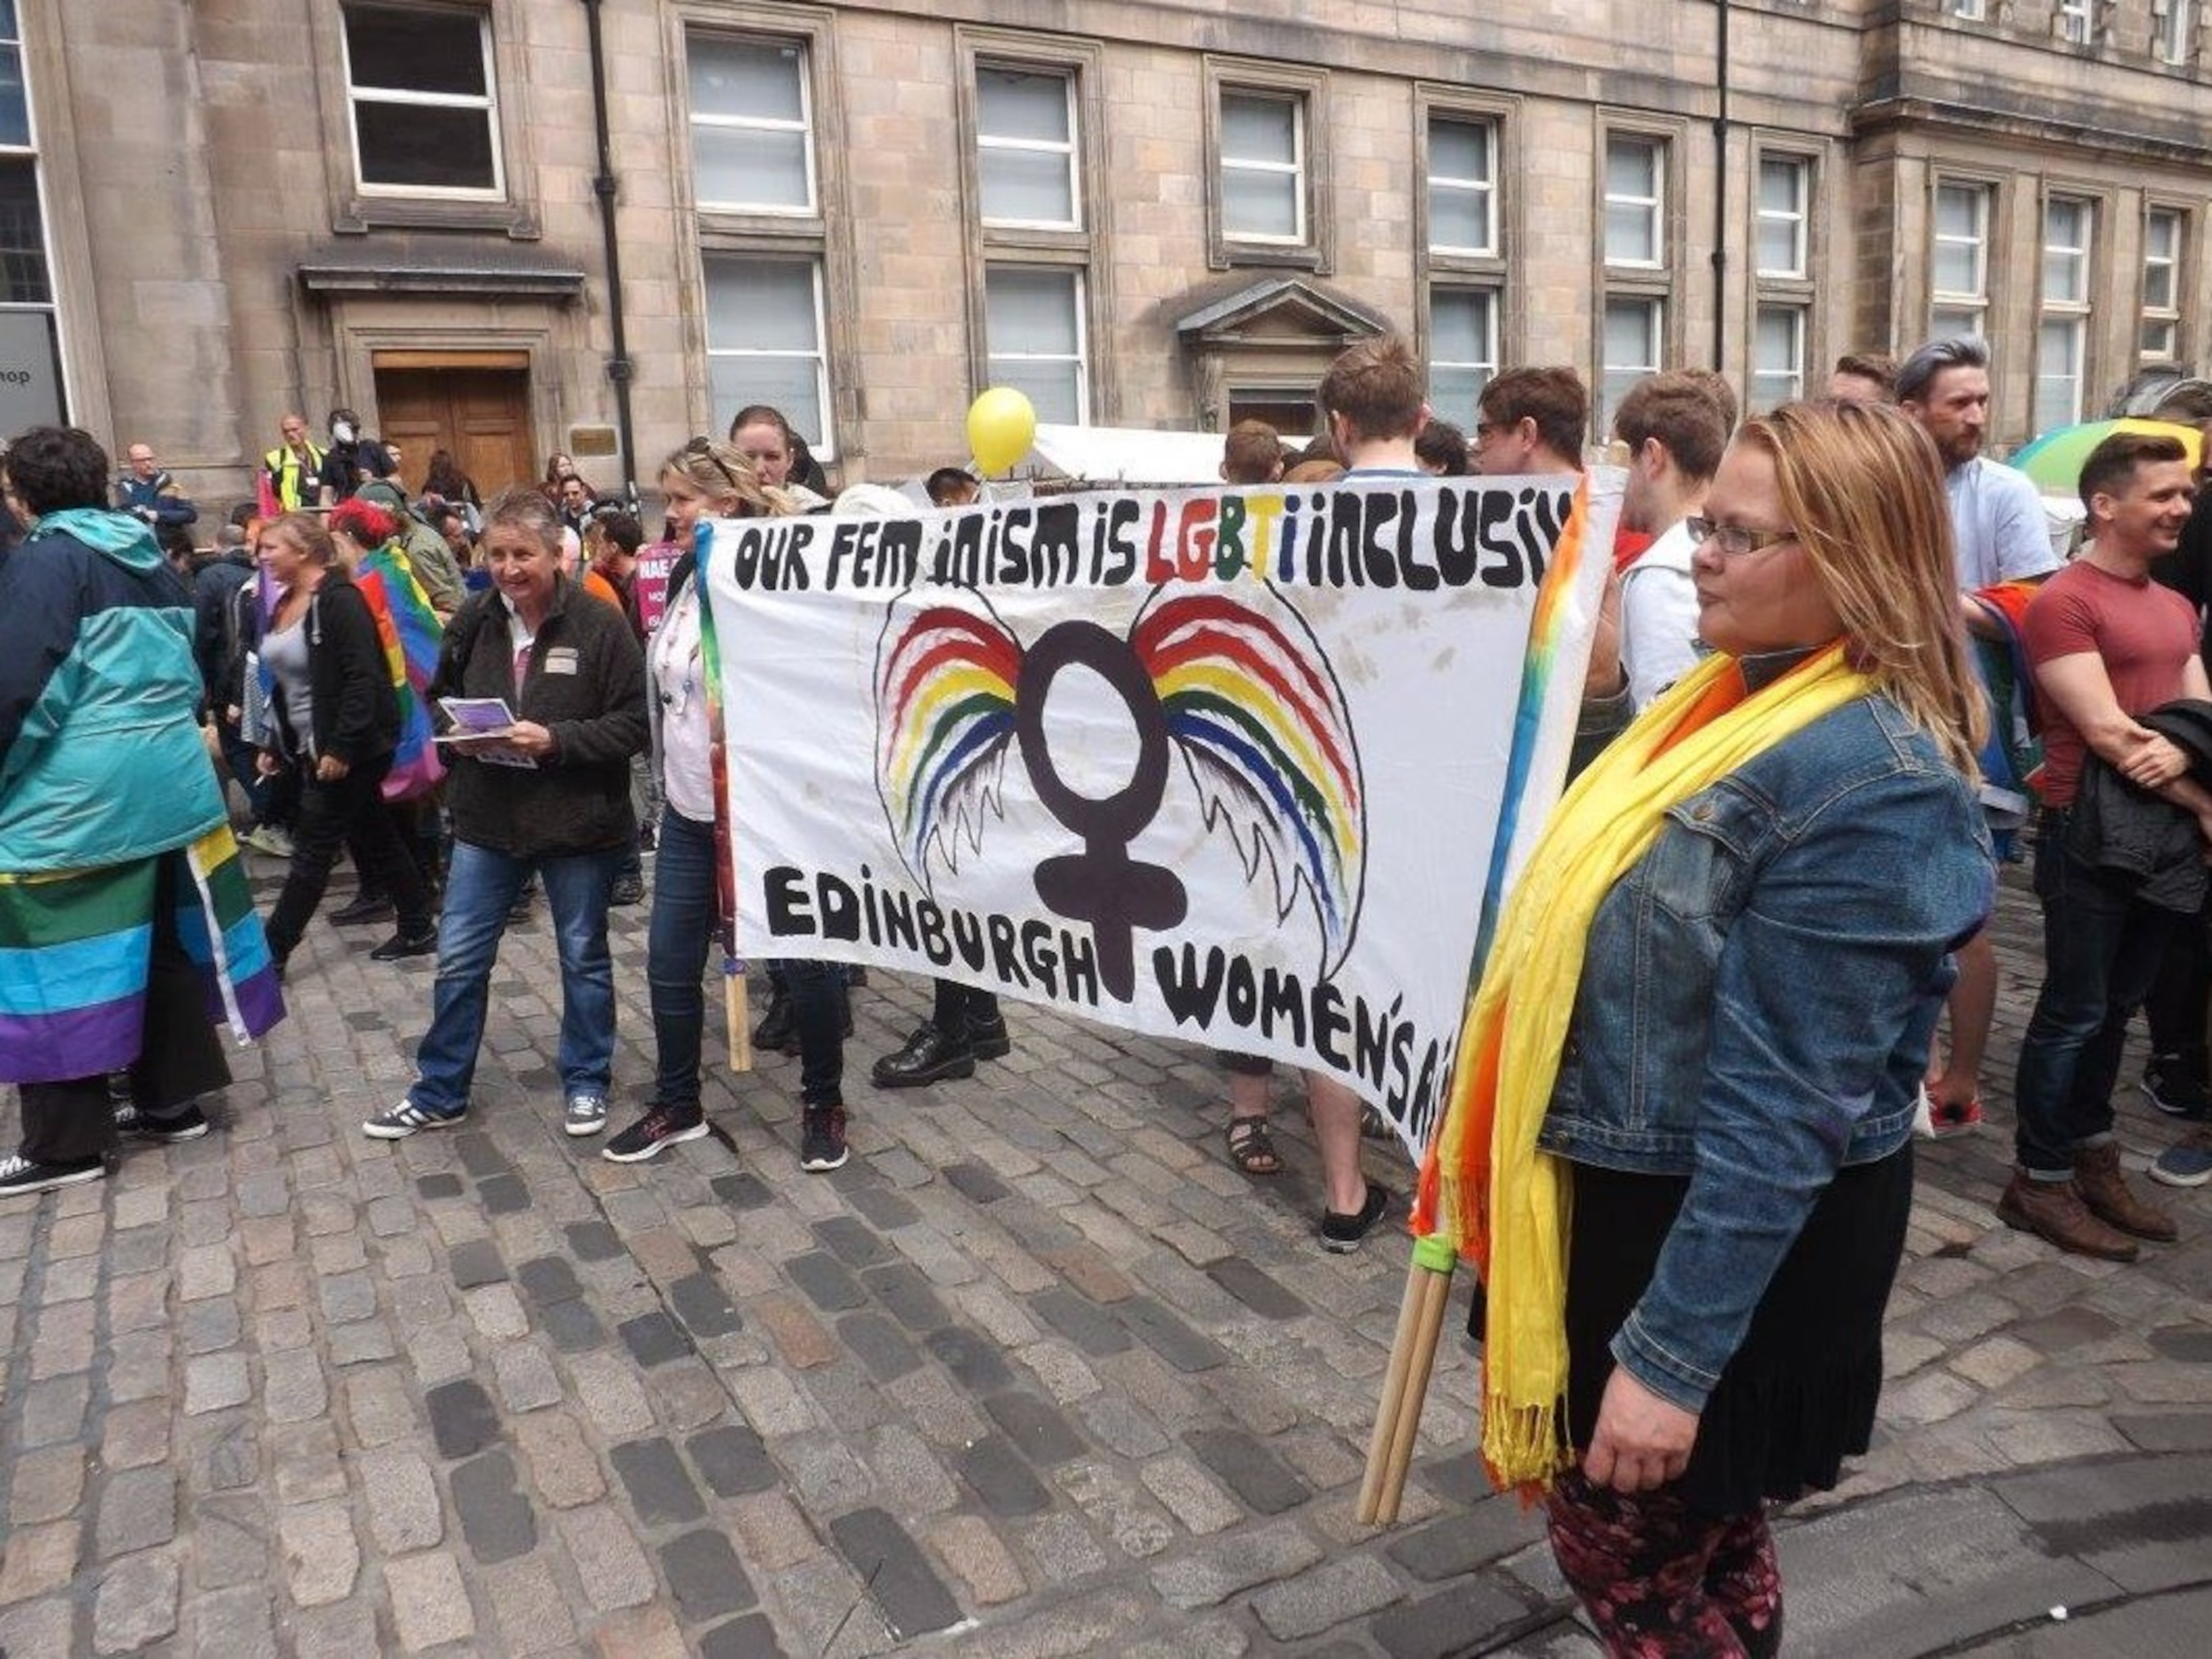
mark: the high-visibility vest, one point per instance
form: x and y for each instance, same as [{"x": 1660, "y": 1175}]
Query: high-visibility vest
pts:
[{"x": 292, "y": 479}]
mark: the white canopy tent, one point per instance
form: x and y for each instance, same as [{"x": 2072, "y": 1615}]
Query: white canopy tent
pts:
[{"x": 1124, "y": 455}]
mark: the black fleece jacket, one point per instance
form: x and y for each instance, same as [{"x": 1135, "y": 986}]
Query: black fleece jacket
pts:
[
  {"x": 355, "y": 709},
  {"x": 586, "y": 685}
]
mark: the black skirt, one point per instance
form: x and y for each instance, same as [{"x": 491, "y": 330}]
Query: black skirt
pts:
[{"x": 1799, "y": 1394}]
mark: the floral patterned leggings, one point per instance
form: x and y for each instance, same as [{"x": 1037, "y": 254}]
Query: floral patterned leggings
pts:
[{"x": 1659, "y": 1579}]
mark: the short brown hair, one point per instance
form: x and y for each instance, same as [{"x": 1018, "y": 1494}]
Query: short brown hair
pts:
[
  {"x": 2113, "y": 462},
  {"x": 1315, "y": 471},
  {"x": 1251, "y": 454},
  {"x": 1553, "y": 398},
  {"x": 1443, "y": 446},
  {"x": 1376, "y": 386},
  {"x": 1678, "y": 407},
  {"x": 1878, "y": 366}
]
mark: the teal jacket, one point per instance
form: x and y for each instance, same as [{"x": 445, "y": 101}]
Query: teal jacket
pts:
[{"x": 101, "y": 757}]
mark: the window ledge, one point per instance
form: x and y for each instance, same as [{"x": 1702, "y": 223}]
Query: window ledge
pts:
[
  {"x": 729, "y": 221},
  {"x": 417, "y": 276},
  {"x": 1037, "y": 238},
  {"x": 1442, "y": 262},
  {"x": 1234, "y": 253},
  {"x": 362, "y": 214}
]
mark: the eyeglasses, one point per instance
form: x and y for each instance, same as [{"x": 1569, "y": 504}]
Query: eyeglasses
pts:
[
  {"x": 705, "y": 446},
  {"x": 1734, "y": 540}
]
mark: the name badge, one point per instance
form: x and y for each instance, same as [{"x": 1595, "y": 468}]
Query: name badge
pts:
[{"x": 561, "y": 660}]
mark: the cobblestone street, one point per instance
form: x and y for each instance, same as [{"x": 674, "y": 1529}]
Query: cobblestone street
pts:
[{"x": 1037, "y": 1373}]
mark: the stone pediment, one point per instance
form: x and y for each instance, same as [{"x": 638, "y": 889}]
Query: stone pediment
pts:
[{"x": 1241, "y": 311}]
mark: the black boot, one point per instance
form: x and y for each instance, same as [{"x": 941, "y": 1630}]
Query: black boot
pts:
[
  {"x": 778, "y": 1031},
  {"x": 929, "y": 1057},
  {"x": 988, "y": 1039}
]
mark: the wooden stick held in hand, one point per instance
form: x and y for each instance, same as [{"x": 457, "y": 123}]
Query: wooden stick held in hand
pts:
[
  {"x": 736, "y": 1008},
  {"x": 1406, "y": 1381}
]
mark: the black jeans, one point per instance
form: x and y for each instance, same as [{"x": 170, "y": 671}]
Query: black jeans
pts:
[
  {"x": 2101, "y": 949},
  {"x": 2174, "y": 1009},
  {"x": 817, "y": 990},
  {"x": 242, "y": 758},
  {"x": 180, "y": 1057},
  {"x": 679, "y": 938},
  {"x": 350, "y": 809}
]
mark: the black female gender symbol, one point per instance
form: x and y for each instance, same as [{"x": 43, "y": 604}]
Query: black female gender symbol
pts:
[{"x": 1102, "y": 885}]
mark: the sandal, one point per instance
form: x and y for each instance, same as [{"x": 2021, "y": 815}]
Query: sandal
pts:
[{"x": 1251, "y": 1149}]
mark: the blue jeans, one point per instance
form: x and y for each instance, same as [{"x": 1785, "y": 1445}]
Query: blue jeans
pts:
[
  {"x": 2101, "y": 949},
  {"x": 243, "y": 759},
  {"x": 481, "y": 887},
  {"x": 678, "y": 939}
]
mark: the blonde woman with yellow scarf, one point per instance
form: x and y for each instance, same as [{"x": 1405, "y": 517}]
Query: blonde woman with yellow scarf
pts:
[{"x": 1681, "y": 1150}]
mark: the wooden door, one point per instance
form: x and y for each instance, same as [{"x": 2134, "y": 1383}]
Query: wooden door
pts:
[{"x": 482, "y": 414}]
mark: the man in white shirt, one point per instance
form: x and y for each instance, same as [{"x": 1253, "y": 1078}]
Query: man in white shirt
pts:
[
  {"x": 1998, "y": 534},
  {"x": 1999, "y": 528},
  {"x": 1675, "y": 426}
]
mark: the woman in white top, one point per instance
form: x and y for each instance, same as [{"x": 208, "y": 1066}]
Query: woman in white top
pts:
[{"x": 708, "y": 478}]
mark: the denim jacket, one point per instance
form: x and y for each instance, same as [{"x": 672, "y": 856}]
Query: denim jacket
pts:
[{"x": 1755, "y": 1007}]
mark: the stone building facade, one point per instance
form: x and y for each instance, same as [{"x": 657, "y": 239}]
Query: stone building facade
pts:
[{"x": 1146, "y": 212}]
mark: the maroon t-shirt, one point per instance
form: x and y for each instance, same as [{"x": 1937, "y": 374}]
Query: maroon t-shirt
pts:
[{"x": 2146, "y": 634}]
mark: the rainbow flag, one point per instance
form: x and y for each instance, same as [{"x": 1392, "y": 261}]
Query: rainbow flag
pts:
[
  {"x": 1548, "y": 629},
  {"x": 411, "y": 635},
  {"x": 75, "y": 948}
]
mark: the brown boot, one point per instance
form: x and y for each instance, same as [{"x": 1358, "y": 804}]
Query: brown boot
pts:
[
  {"x": 2102, "y": 1188},
  {"x": 2054, "y": 1210}
]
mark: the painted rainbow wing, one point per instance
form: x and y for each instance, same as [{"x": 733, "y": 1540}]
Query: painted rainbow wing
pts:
[
  {"x": 1255, "y": 707},
  {"x": 946, "y": 668}
]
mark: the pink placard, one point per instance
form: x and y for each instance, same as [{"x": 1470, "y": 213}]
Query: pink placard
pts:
[{"x": 655, "y": 562}]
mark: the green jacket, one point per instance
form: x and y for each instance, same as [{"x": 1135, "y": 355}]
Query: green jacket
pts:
[{"x": 101, "y": 757}]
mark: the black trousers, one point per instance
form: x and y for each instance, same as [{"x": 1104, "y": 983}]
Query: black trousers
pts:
[
  {"x": 348, "y": 811},
  {"x": 2176, "y": 1007},
  {"x": 178, "y": 1058}
]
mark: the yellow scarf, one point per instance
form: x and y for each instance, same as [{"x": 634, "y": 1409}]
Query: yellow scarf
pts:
[{"x": 1485, "y": 1186}]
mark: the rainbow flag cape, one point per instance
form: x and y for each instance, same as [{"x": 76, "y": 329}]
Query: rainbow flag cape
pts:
[
  {"x": 75, "y": 948},
  {"x": 411, "y": 635}
]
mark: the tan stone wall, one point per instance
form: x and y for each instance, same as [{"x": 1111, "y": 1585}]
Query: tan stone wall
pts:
[{"x": 195, "y": 145}]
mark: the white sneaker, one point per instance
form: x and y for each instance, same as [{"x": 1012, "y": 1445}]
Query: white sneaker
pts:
[
  {"x": 586, "y": 1113},
  {"x": 407, "y": 1118},
  {"x": 268, "y": 838}
]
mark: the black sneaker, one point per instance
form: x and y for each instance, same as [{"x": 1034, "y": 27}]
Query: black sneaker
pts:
[
  {"x": 2171, "y": 1084},
  {"x": 402, "y": 945},
  {"x": 822, "y": 1139},
  {"x": 187, "y": 1124},
  {"x": 661, "y": 1127},
  {"x": 1342, "y": 1234},
  {"x": 19, "y": 1174},
  {"x": 365, "y": 907}
]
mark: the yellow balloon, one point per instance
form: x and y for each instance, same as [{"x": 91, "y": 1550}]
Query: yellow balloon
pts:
[{"x": 1002, "y": 426}]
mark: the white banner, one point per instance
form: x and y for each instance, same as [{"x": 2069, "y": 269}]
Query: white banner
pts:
[{"x": 1227, "y": 764}]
